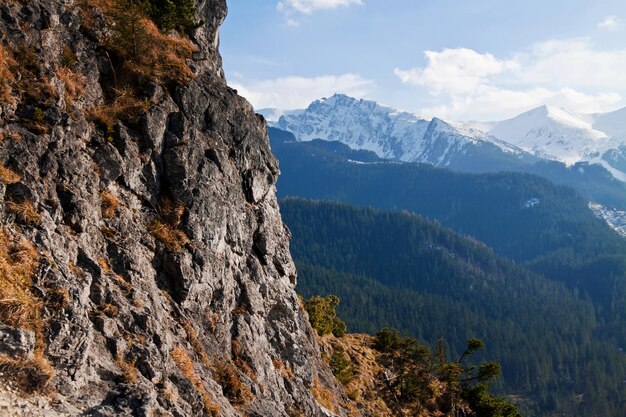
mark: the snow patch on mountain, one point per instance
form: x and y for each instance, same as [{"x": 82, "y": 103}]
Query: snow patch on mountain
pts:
[
  {"x": 364, "y": 124},
  {"x": 613, "y": 123},
  {"x": 553, "y": 133},
  {"x": 616, "y": 219},
  {"x": 545, "y": 132}
]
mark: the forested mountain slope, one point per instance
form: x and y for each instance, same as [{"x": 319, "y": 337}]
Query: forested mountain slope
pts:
[
  {"x": 548, "y": 228},
  {"x": 400, "y": 270}
]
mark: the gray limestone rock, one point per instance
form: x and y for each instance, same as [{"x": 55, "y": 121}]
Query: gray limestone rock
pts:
[
  {"x": 226, "y": 298},
  {"x": 16, "y": 343}
]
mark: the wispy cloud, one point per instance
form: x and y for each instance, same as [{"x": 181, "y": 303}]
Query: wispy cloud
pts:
[
  {"x": 309, "y": 6},
  {"x": 568, "y": 73},
  {"x": 610, "y": 23},
  {"x": 298, "y": 92}
]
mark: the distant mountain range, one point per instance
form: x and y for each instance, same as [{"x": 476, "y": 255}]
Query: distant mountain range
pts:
[
  {"x": 525, "y": 263},
  {"x": 586, "y": 151}
]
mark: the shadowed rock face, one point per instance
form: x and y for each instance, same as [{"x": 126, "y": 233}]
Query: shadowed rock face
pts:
[{"x": 130, "y": 300}]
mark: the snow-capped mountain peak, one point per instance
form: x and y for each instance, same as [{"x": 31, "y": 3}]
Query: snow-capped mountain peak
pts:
[
  {"x": 364, "y": 124},
  {"x": 553, "y": 133},
  {"x": 360, "y": 124},
  {"x": 545, "y": 132}
]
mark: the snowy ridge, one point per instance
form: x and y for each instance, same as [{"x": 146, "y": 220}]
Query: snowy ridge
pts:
[
  {"x": 364, "y": 124},
  {"x": 543, "y": 133},
  {"x": 553, "y": 133}
]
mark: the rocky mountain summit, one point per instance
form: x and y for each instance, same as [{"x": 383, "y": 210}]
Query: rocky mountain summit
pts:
[
  {"x": 391, "y": 134},
  {"x": 542, "y": 134},
  {"x": 561, "y": 146},
  {"x": 145, "y": 266}
]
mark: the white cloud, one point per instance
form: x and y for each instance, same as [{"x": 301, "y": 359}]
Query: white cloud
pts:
[
  {"x": 610, "y": 23},
  {"x": 566, "y": 73},
  {"x": 309, "y": 6},
  {"x": 494, "y": 103},
  {"x": 574, "y": 63},
  {"x": 298, "y": 92},
  {"x": 454, "y": 70}
]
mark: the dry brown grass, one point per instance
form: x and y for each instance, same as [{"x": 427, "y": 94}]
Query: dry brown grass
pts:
[
  {"x": 75, "y": 269},
  {"x": 25, "y": 212},
  {"x": 57, "y": 298},
  {"x": 367, "y": 390},
  {"x": 196, "y": 344},
  {"x": 126, "y": 107},
  {"x": 89, "y": 9},
  {"x": 171, "y": 210},
  {"x": 129, "y": 372},
  {"x": 29, "y": 375},
  {"x": 123, "y": 284},
  {"x": 119, "y": 280},
  {"x": 239, "y": 360},
  {"x": 6, "y": 76},
  {"x": 138, "y": 54},
  {"x": 18, "y": 263},
  {"x": 108, "y": 232},
  {"x": 34, "y": 85},
  {"x": 104, "y": 265},
  {"x": 7, "y": 176},
  {"x": 20, "y": 308},
  {"x": 173, "y": 239},
  {"x": 227, "y": 376},
  {"x": 14, "y": 136},
  {"x": 74, "y": 83},
  {"x": 285, "y": 371},
  {"x": 109, "y": 310},
  {"x": 163, "y": 57},
  {"x": 185, "y": 364},
  {"x": 212, "y": 319},
  {"x": 324, "y": 396},
  {"x": 109, "y": 205}
]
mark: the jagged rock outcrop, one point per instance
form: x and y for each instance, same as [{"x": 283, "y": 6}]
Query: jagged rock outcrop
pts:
[{"x": 164, "y": 273}]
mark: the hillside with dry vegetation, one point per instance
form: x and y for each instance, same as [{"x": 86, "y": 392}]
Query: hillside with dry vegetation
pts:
[{"x": 394, "y": 375}]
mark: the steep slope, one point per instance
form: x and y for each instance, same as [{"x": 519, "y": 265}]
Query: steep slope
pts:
[
  {"x": 400, "y": 270},
  {"x": 158, "y": 280},
  {"x": 612, "y": 123}
]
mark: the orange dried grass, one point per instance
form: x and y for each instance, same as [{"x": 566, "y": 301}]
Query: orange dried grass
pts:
[
  {"x": 185, "y": 364},
  {"x": 7, "y": 176},
  {"x": 109, "y": 204},
  {"x": 173, "y": 239},
  {"x": 20, "y": 308},
  {"x": 75, "y": 84},
  {"x": 6, "y": 76},
  {"x": 25, "y": 212}
]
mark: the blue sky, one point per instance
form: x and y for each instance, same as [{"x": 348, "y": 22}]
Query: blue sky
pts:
[{"x": 455, "y": 59}]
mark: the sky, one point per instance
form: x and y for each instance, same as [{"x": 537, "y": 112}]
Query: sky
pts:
[{"x": 455, "y": 59}]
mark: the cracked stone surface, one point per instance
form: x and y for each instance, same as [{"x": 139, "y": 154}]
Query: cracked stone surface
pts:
[{"x": 128, "y": 297}]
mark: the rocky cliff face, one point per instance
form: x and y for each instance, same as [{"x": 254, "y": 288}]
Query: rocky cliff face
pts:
[{"x": 163, "y": 282}]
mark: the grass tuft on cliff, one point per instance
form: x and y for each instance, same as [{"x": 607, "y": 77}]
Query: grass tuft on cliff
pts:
[{"x": 21, "y": 309}]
